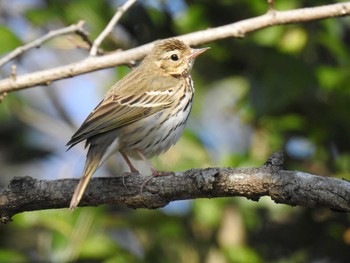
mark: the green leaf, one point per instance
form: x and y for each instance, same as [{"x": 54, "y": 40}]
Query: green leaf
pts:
[
  {"x": 38, "y": 17},
  {"x": 241, "y": 254},
  {"x": 7, "y": 255},
  {"x": 9, "y": 40},
  {"x": 193, "y": 20}
]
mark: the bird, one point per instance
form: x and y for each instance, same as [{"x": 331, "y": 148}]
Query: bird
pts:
[{"x": 143, "y": 114}]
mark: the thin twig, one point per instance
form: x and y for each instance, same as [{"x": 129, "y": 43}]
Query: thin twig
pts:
[
  {"x": 238, "y": 29},
  {"x": 13, "y": 73},
  {"x": 77, "y": 28},
  {"x": 271, "y": 4},
  {"x": 121, "y": 10},
  {"x": 60, "y": 108}
]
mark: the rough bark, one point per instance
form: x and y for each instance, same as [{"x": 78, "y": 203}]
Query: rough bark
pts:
[{"x": 285, "y": 187}]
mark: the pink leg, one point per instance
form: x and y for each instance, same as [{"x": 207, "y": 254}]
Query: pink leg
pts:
[
  {"x": 133, "y": 170},
  {"x": 151, "y": 167},
  {"x": 127, "y": 160},
  {"x": 155, "y": 172}
]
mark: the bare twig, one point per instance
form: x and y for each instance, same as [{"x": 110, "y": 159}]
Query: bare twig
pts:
[
  {"x": 77, "y": 28},
  {"x": 121, "y": 10},
  {"x": 60, "y": 109},
  {"x": 238, "y": 29},
  {"x": 271, "y": 4},
  {"x": 287, "y": 187},
  {"x": 13, "y": 73}
]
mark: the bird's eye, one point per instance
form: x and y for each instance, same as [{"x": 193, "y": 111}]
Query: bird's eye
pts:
[{"x": 174, "y": 57}]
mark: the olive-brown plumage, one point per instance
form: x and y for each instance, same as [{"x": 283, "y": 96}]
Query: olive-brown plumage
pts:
[{"x": 143, "y": 114}]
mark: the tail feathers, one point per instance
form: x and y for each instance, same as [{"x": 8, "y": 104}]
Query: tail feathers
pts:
[{"x": 90, "y": 167}]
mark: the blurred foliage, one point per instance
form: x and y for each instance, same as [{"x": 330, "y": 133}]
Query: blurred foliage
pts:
[
  {"x": 9, "y": 40},
  {"x": 286, "y": 85}
]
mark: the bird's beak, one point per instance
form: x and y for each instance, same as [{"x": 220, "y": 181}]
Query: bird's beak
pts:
[{"x": 196, "y": 52}]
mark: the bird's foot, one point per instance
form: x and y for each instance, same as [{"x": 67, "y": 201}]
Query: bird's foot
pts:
[
  {"x": 128, "y": 174},
  {"x": 155, "y": 173}
]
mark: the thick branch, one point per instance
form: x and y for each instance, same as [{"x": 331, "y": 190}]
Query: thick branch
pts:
[
  {"x": 287, "y": 187},
  {"x": 239, "y": 29}
]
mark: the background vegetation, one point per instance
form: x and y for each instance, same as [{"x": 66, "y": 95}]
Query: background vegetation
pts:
[{"x": 285, "y": 87}]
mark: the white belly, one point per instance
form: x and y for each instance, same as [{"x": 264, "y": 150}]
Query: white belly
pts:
[{"x": 156, "y": 133}]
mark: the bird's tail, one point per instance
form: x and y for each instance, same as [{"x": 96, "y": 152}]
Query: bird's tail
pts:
[{"x": 92, "y": 163}]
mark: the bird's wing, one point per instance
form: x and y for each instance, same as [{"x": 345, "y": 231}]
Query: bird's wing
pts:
[{"x": 122, "y": 108}]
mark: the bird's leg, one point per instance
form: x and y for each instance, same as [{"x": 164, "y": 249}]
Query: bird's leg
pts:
[
  {"x": 133, "y": 170},
  {"x": 155, "y": 172}
]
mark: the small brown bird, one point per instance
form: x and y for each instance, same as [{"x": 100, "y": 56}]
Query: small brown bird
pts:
[{"x": 143, "y": 114}]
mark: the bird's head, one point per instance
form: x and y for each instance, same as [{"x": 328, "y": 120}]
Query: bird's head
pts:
[{"x": 173, "y": 57}]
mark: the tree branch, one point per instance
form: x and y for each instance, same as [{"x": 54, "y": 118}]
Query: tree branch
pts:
[
  {"x": 286, "y": 187},
  {"x": 76, "y": 28},
  {"x": 238, "y": 29},
  {"x": 121, "y": 10}
]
